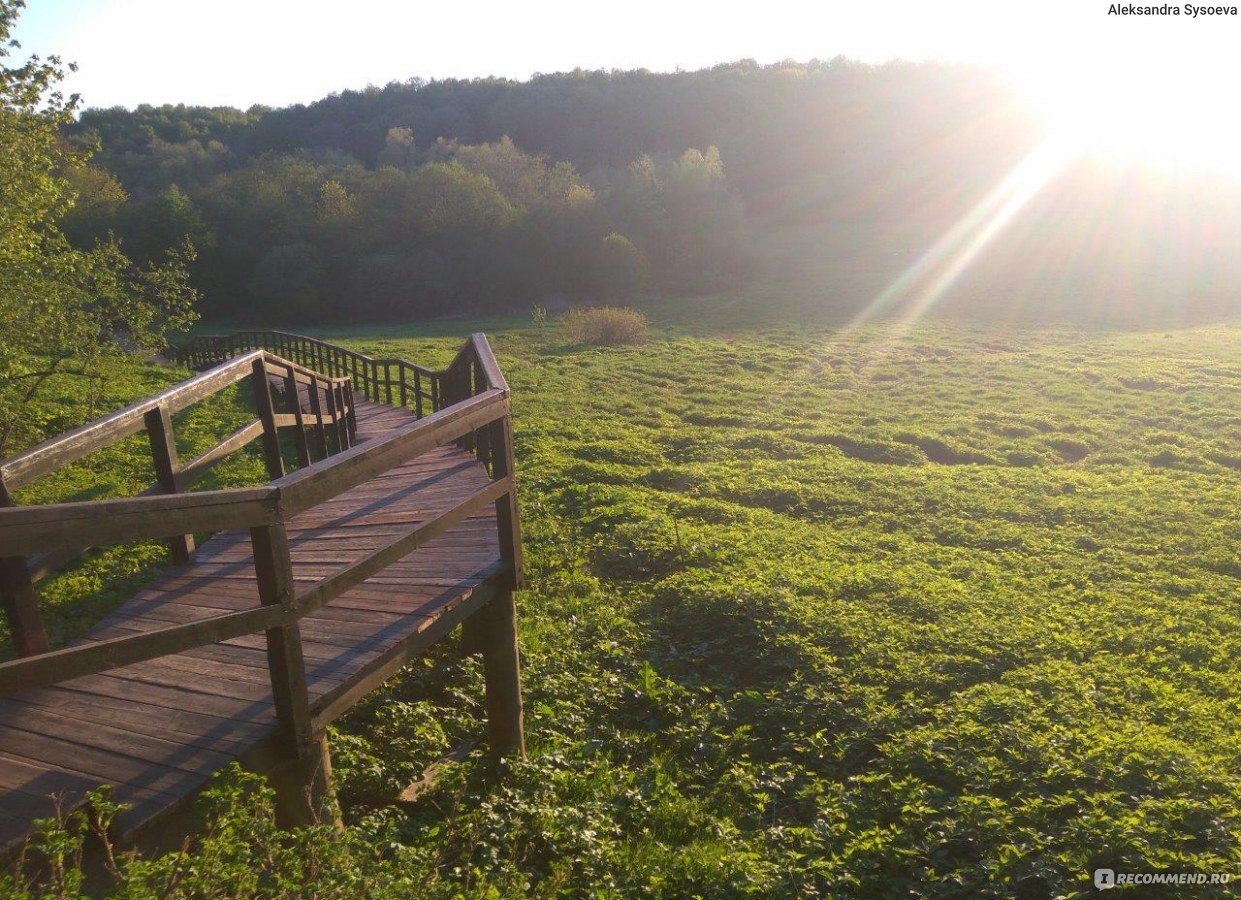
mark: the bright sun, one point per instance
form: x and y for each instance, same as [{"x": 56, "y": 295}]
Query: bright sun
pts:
[{"x": 1173, "y": 112}]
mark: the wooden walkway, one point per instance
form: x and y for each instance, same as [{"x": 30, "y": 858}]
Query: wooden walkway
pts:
[{"x": 158, "y": 729}]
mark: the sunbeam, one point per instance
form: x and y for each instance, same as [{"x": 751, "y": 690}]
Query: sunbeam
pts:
[{"x": 916, "y": 290}]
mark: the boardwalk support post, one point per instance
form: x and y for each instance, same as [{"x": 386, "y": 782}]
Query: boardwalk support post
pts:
[
  {"x": 303, "y": 778},
  {"x": 305, "y": 795},
  {"x": 497, "y": 633}
]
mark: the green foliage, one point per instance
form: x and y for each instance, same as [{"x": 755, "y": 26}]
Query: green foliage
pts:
[
  {"x": 605, "y": 326},
  {"x": 62, "y": 309},
  {"x": 833, "y": 177},
  {"x": 794, "y": 629},
  {"x": 623, "y": 273}
]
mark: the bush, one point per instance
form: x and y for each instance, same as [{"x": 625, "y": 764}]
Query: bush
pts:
[
  {"x": 605, "y": 325},
  {"x": 623, "y": 272}
]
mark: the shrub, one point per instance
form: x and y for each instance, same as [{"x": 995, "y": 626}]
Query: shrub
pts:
[
  {"x": 623, "y": 272},
  {"x": 605, "y": 325}
]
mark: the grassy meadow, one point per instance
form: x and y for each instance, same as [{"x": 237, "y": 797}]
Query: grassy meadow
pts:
[{"x": 809, "y": 613}]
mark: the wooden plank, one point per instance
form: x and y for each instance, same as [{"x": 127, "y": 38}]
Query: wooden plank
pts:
[
  {"x": 337, "y": 584},
  {"x": 508, "y": 522},
  {"x": 426, "y": 782},
  {"x": 107, "y": 767},
  {"x": 71, "y": 526},
  {"x": 329, "y": 395},
  {"x": 21, "y": 609},
  {"x": 72, "y": 662},
  {"x": 302, "y": 489},
  {"x": 497, "y": 637},
  {"x": 335, "y": 703},
  {"x": 199, "y": 465},
  {"x": 342, "y": 426},
  {"x": 116, "y": 685},
  {"x": 277, "y": 366},
  {"x": 299, "y": 422},
  {"x": 320, "y": 430},
  {"x": 189, "y": 727},
  {"x": 107, "y": 737},
  {"x": 494, "y": 377}
]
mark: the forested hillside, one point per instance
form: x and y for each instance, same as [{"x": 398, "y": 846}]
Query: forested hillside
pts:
[
  {"x": 425, "y": 199},
  {"x": 824, "y": 181}
]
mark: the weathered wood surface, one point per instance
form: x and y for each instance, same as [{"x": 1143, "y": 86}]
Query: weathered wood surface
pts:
[{"x": 157, "y": 730}]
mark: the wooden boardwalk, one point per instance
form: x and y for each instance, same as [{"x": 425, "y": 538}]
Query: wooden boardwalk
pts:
[{"x": 159, "y": 728}]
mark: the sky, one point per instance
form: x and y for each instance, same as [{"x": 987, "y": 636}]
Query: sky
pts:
[{"x": 276, "y": 52}]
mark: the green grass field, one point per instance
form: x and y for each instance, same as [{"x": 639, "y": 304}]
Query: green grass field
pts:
[{"x": 815, "y": 615}]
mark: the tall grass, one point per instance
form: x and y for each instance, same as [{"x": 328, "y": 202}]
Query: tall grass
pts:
[{"x": 605, "y": 326}]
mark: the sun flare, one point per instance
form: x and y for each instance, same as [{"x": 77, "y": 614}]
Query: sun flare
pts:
[{"x": 1174, "y": 112}]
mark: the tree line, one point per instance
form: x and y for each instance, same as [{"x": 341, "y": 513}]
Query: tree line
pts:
[
  {"x": 426, "y": 198},
  {"x": 464, "y": 196}
]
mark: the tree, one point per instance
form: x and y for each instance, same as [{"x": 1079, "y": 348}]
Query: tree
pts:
[
  {"x": 623, "y": 273},
  {"x": 97, "y": 207},
  {"x": 399, "y": 150},
  {"x": 63, "y": 311},
  {"x": 164, "y": 221},
  {"x": 288, "y": 280}
]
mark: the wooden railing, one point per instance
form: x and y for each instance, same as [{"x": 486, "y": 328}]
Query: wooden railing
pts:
[
  {"x": 473, "y": 401},
  {"x": 396, "y": 382}
]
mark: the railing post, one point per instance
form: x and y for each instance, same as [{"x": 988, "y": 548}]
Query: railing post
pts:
[
  {"x": 303, "y": 778},
  {"x": 342, "y": 417},
  {"x": 418, "y": 393},
  {"x": 329, "y": 392},
  {"x": 496, "y": 632},
  {"x": 17, "y": 594},
  {"x": 503, "y": 464},
  {"x": 164, "y": 453},
  {"x": 295, "y": 399},
  {"x": 267, "y": 415},
  {"x": 316, "y": 410},
  {"x": 352, "y": 419}
]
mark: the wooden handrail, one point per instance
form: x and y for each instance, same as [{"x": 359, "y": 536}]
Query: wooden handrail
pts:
[
  {"x": 200, "y": 464},
  {"x": 56, "y": 666},
  {"x": 359, "y": 369},
  {"x": 31, "y": 529},
  {"x": 89, "y": 659},
  {"x": 59, "y": 451},
  {"x": 71, "y": 446},
  {"x": 304, "y": 488},
  {"x": 470, "y": 405},
  {"x": 487, "y": 360}
]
